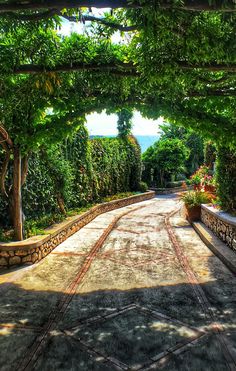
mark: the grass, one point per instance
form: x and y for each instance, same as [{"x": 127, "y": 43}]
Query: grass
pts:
[{"x": 37, "y": 226}]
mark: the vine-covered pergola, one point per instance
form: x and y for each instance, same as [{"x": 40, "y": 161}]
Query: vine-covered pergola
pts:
[{"x": 177, "y": 60}]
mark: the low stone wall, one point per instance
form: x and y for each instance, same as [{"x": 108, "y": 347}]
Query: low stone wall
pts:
[
  {"x": 34, "y": 249},
  {"x": 222, "y": 224},
  {"x": 167, "y": 191}
]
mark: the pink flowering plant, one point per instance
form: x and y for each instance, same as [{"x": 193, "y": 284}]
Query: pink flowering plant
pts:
[
  {"x": 197, "y": 177},
  {"x": 202, "y": 178},
  {"x": 208, "y": 180}
]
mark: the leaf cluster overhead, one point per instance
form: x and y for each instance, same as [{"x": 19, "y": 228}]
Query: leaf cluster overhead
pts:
[{"x": 178, "y": 62}]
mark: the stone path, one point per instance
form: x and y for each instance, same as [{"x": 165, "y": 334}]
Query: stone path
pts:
[{"x": 136, "y": 289}]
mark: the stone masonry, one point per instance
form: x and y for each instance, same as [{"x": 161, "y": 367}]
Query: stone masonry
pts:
[
  {"x": 36, "y": 248},
  {"x": 221, "y": 224}
]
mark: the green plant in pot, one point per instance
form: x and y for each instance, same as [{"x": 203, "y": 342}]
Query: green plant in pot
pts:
[{"x": 192, "y": 201}]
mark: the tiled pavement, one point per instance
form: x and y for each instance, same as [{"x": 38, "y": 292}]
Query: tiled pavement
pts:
[{"x": 136, "y": 289}]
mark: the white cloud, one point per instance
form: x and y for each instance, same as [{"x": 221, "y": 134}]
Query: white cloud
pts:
[{"x": 103, "y": 124}]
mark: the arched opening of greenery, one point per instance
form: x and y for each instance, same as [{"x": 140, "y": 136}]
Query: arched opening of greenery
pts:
[{"x": 177, "y": 61}]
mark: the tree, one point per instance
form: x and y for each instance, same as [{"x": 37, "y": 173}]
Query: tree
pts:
[
  {"x": 52, "y": 8},
  {"x": 180, "y": 65},
  {"x": 193, "y": 141},
  {"x": 167, "y": 157}
]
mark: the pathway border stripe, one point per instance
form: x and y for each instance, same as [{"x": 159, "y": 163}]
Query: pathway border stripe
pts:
[
  {"x": 183, "y": 259},
  {"x": 57, "y": 313}
]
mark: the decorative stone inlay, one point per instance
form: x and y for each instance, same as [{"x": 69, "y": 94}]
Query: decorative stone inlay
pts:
[
  {"x": 141, "y": 257},
  {"x": 34, "y": 249},
  {"x": 141, "y": 336},
  {"x": 222, "y": 224}
]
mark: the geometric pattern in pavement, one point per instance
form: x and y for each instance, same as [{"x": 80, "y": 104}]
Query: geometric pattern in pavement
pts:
[
  {"x": 139, "y": 256},
  {"x": 133, "y": 337},
  {"x": 151, "y": 335}
]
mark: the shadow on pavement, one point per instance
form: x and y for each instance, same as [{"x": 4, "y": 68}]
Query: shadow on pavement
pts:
[{"x": 105, "y": 330}]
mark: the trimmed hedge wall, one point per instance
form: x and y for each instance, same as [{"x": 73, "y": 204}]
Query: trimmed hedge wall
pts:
[
  {"x": 226, "y": 178},
  {"x": 79, "y": 171}
]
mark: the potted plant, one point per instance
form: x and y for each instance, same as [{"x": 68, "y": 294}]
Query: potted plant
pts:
[
  {"x": 208, "y": 183},
  {"x": 197, "y": 179},
  {"x": 192, "y": 201}
]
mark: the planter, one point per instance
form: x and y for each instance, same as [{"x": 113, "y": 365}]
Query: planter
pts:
[
  {"x": 193, "y": 214},
  {"x": 209, "y": 188}
]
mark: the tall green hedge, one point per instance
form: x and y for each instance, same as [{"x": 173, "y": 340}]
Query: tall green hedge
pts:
[
  {"x": 226, "y": 178},
  {"x": 81, "y": 171}
]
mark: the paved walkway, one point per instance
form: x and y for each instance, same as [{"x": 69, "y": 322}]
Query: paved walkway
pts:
[{"x": 135, "y": 289}]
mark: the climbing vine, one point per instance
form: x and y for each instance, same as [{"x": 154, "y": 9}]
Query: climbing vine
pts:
[{"x": 77, "y": 172}]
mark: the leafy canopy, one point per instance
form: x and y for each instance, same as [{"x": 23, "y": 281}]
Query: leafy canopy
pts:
[{"x": 174, "y": 63}]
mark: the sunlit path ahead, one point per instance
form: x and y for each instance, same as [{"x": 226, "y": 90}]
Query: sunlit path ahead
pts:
[{"x": 135, "y": 289}]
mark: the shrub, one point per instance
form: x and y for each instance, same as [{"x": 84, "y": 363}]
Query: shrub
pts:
[
  {"x": 143, "y": 187},
  {"x": 226, "y": 178},
  {"x": 209, "y": 154},
  {"x": 77, "y": 172},
  {"x": 174, "y": 184},
  {"x": 195, "y": 198}
]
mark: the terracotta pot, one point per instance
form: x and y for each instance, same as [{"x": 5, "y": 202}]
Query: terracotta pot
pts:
[
  {"x": 209, "y": 188},
  {"x": 193, "y": 214}
]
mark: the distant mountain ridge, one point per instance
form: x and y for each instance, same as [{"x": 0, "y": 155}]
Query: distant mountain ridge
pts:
[{"x": 144, "y": 141}]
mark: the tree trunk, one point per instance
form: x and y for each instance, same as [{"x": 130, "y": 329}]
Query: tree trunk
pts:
[
  {"x": 162, "y": 178},
  {"x": 61, "y": 204},
  {"x": 16, "y": 196}
]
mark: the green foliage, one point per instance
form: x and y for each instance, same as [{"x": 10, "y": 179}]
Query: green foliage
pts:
[
  {"x": 193, "y": 142},
  {"x": 124, "y": 123},
  {"x": 209, "y": 154},
  {"x": 174, "y": 184},
  {"x": 195, "y": 198},
  {"x": 37, "y": 225},
  {"x": 166, "y": 157},
  {"x": 143, "y": 187},
  {"x": 80, "y": 171},
  {"x": 179, "y": 65},
  {"x": 226, "y": 178},
  {"x": 198, "y": 177},
  {"x": 62, "y": 172},
  {"x": 38, "y": 193},
  {"x": 167, "y": 68}
]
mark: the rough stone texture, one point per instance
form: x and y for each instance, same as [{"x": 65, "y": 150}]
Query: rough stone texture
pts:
[
  {"x": 3, "y": 261},
  {"x": 26, "y": 254},
  {"x": 223, "y": 229},
  {"x": 14, "y": 260}
]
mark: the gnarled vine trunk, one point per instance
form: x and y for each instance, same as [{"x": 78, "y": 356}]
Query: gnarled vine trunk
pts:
[
  {"x": 13, "y": 194},
  {"x": 17, "y": 213}
]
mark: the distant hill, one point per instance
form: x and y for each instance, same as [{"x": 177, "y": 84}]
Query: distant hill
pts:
[{"x": 145, "y": 141}]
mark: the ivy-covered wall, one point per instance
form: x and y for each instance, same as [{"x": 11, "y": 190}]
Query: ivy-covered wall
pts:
[
  {"x": 226, "y": 178},
  {"x": 78, "y": 171}
]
